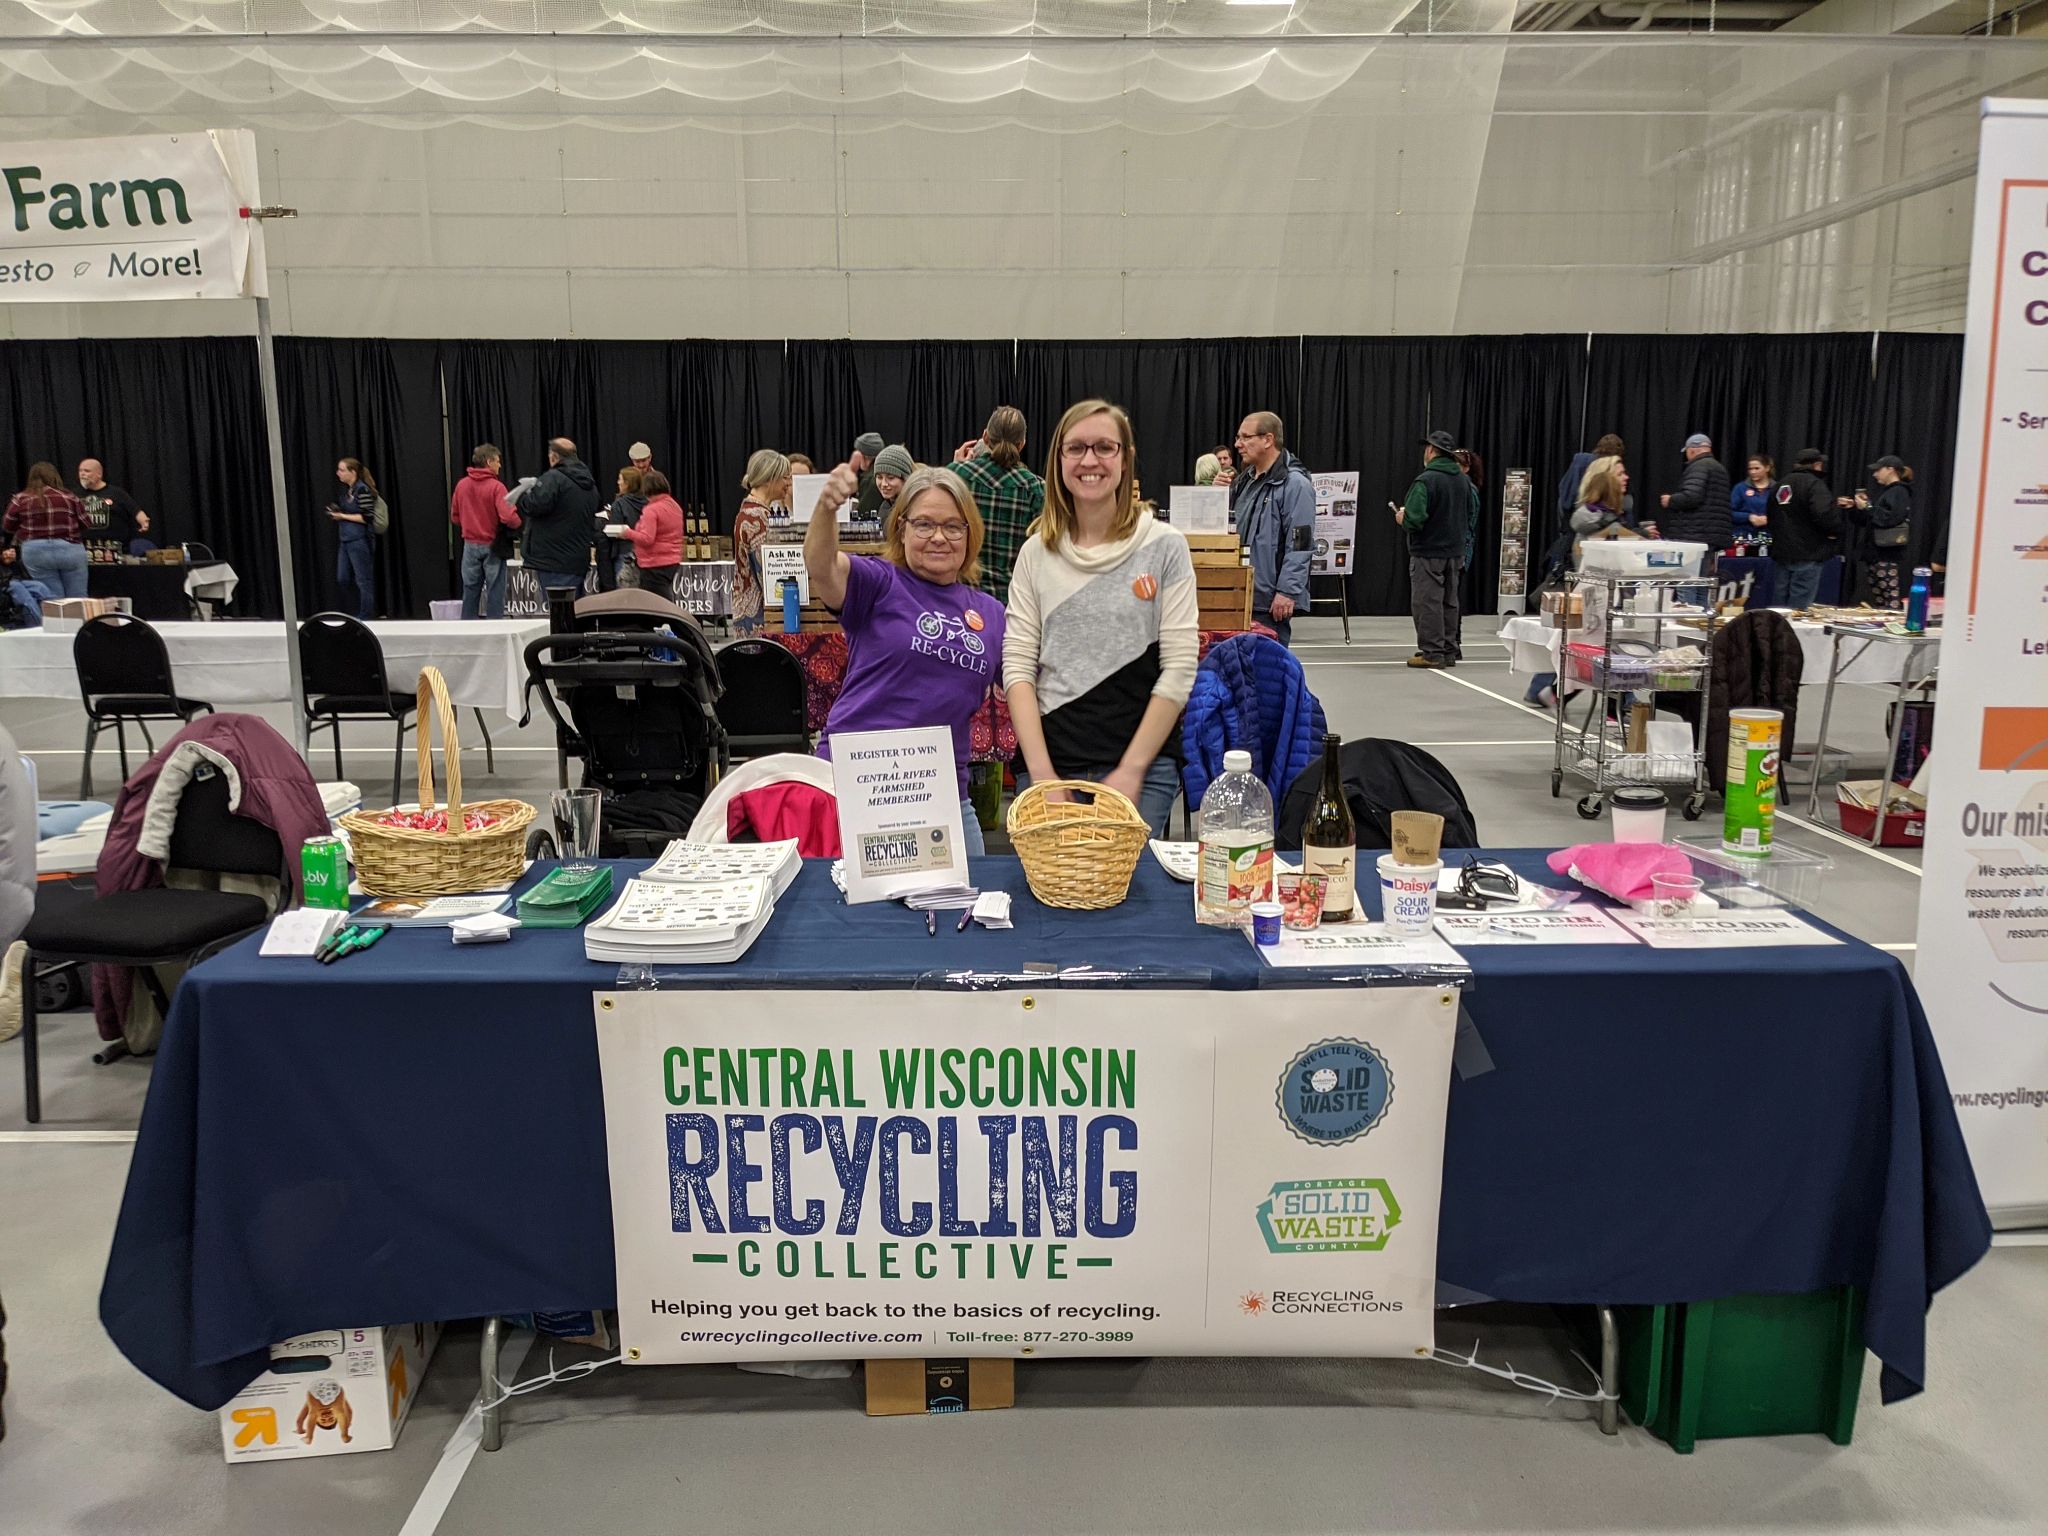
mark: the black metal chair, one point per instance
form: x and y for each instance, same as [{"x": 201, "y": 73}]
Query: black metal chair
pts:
[
  {"x": 762, "y": 705},
  {"x": 144, "y": 929},
  {"x": 343, "y": 665},
  {"x": 124, "y": 673}
]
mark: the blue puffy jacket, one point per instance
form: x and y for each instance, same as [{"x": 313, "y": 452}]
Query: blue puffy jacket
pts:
[{"x": 1250, "y": 694}]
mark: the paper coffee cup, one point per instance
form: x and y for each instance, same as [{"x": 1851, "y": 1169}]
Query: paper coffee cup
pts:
[{"x": 1418, "y": 836}]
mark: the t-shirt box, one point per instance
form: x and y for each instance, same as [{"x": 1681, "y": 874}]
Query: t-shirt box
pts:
[
  {"x": 329, "y": 1394},
  {"x": 939, "y": 1386}
]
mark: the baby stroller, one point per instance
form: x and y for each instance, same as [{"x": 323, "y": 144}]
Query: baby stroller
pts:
[{"x": 633, "y": 692}]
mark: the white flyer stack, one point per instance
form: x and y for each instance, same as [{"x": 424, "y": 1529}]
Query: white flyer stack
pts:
[{"x": 698, "y": 904}]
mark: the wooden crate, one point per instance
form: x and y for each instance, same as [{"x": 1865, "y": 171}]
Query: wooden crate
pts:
[{"x": 1223, "y": 581}]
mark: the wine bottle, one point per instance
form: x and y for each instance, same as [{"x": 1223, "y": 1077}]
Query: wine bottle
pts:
[{"x": 1329, "y": 843}]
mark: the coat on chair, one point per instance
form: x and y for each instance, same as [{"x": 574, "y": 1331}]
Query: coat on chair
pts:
[
  {"x": 267, "y": 781},
  {"x": 1758, "y": 663},
  {"x": 1249, "y": 695}
]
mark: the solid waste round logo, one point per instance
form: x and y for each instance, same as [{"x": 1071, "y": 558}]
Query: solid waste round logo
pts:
[{"x": 1335, "y": 1091}]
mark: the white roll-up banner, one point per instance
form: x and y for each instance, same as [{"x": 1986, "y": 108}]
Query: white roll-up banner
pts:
[
  {"x": 1982, "y": 964},
  {"x": 160, "y": 216}
]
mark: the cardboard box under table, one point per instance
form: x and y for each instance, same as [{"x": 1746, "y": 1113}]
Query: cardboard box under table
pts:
[{"x": 329, "y": 1394}]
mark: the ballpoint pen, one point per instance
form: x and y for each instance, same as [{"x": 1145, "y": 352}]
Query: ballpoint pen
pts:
[
  {"x": 965, "y": 918},
  {"x": 931, "y": 924}
]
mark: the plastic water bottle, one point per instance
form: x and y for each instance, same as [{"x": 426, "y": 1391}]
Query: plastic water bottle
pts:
[
  {"x": 1236, "y": 864},
  {"x": 792, "y": 610},
  {"x": 1916, "y": 600}
]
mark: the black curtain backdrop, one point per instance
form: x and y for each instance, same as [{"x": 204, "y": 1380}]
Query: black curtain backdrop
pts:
[
  {"x": 380, "y": 402},
  {"x": 1915, "y": 400},
  {"x": 1365, "y": 406},
  {"x": 180, "y": 424},
  {"x": 1183, "y": 397}
]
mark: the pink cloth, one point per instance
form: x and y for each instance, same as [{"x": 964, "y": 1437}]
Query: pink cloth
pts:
[
  {"x": 1620, "y": 870},
  {"x": 277, "y": 789},
  {"x": 783, "y": 810}
]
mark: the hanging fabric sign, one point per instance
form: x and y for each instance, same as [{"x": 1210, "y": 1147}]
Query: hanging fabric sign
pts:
[{"x": 155, "y": 217}]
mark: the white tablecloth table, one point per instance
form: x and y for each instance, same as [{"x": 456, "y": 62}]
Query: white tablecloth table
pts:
[
  {"x": 233, "y": 661},
  {"x": 1533, "y": 647}
]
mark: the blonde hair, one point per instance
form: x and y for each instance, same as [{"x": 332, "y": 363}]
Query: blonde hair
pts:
[
  {"x": 1058, "y": 521},
  {"x": 1207, "y": 468},
  {"x": 765, "y": 468},
  {"x": 1602, "y": 484},
  {"x": 936, "y": 478}
]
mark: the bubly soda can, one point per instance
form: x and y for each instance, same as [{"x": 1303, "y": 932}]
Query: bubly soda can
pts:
[
  {"x": 1755, "y": 737},
  {"x": 323, "y": 872}
]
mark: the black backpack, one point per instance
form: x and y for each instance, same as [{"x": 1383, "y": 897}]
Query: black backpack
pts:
[{"x": 1381, "y": 777}]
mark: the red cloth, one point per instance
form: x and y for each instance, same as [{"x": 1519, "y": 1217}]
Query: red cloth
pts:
[
  {"x": 658, "y": 535},
  {"x": 777, "y": 811},
  {"x": 277, "y": 789},
  {"x": 479, "y": 506},
  {"x": 823, "y": 658}
]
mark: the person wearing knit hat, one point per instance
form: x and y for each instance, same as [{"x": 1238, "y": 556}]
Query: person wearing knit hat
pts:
[
  {"x": 893, "y": 466},
  {"x": 867, "y": 501}
]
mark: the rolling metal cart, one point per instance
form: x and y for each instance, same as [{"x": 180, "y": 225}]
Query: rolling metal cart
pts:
[{"x": 1591, "y": 724}]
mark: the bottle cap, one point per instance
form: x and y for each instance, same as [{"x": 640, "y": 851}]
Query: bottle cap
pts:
[{"x": 1237, "y": 762}]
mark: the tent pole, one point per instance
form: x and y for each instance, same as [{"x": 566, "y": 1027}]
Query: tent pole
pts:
[{"x": 266, "y": 366}]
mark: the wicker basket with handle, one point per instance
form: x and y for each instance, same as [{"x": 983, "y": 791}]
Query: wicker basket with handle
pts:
[
  {"x": 1078, "y": 854},
  {"x": 406, "y": 861}
]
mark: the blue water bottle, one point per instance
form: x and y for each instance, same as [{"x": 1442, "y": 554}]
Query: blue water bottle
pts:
[
  {"x": 792, "y": 610},
  {"x": 1916, "y": 600}
]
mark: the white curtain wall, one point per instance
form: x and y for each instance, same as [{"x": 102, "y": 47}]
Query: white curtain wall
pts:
[{"x": 1038, "y": 168}]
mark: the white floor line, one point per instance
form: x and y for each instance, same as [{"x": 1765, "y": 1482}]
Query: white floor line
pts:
[
  {"x": 1896, "y": 949},
  {"x": 86, "y": 1138},
  {"x": 461, "y": 1448},
  {"x": 2025, "y": 1237},
  {"x": 1310, "y": 661},
  {"x": 1787, "y": 816},
  {"x": 1542, "y": 741}
]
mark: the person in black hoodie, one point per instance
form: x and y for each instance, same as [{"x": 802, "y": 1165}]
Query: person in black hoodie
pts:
[
  {"x": 1888, "y": 517},
  {"x": 1806, "y": 529},
  {"x": 561, "y": 510},
  {"x": 1697, "y": 512}
]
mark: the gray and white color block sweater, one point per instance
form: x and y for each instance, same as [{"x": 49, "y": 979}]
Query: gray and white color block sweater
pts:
[{"x": 1099, "y": 631}]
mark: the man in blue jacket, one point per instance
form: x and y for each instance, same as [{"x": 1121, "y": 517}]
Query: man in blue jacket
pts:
[
  {"x": 1441, "y": 507},
  {"x": 1276, "y": 521}
]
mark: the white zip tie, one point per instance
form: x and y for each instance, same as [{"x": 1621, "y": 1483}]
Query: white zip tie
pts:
[
  {"x": 553, "y": 1377},
  {"x": 1528, "y": 1383}
]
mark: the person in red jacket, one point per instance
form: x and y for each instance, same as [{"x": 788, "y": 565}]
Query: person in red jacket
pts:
[
  {"x": 657, "y": 536},
  {"x": 479, "y": 509}
]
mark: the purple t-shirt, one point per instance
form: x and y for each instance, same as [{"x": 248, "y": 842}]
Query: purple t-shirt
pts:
[{"x": 916, "y": 654}]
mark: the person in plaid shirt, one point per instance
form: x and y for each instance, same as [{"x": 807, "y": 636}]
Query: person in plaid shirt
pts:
[
  {"x": 44, "y": 519},
  {"x": 1009, "y": 495}
]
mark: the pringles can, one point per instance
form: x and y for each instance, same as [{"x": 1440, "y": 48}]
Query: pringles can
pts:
[
  {"x": 1755, "y": 737},
  {"x": 323, "y": 872}
]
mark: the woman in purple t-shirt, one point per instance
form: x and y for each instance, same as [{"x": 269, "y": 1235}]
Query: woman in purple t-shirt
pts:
[{"x": 923, "y": 645}]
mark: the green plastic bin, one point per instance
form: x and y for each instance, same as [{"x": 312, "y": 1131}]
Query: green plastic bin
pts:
[{"x": 1745, "y": 1366}]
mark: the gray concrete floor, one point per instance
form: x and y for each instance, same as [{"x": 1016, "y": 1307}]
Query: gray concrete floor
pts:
[{"x": 1101, "y": 1446}]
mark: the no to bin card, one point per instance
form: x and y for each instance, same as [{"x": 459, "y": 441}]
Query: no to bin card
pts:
[
  {"x": 1775, "y": 929},
  {"x": 1578, "y": 924}
]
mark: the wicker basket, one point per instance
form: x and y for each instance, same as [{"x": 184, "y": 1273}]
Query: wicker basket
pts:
[
  {"x": 400, "y": 861},
  {"x": 1077, "y": 854}
]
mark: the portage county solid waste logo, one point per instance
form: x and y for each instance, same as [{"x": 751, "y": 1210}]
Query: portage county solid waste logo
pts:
[
  {"x": 1329, "y": 1216},
  {"x": 1334, "y": 1092}
]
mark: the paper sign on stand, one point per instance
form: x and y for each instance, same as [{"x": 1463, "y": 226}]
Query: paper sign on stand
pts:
[
  {"x": 784, "y": 562},
  {"x": 804, "y": 491},
  {"x": 1199, "y": 508},
  {"x": 1336, "y": 523},
  {"x": 899, "y": 812}
]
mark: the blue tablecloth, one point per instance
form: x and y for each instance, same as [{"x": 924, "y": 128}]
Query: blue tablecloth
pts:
[
  {"x": 417, "y": 1133},
  {"x": 1764, "y": 593}
]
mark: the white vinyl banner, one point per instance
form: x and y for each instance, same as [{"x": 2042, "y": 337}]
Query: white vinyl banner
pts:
[
  {"x": 816, "y": 1175},
  {"x": 155, "y": 217},
  {"x": 1982, "y": 964}
]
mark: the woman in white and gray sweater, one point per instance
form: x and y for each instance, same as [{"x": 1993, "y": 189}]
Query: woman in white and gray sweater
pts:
[{"x": 1102, "y": 640}]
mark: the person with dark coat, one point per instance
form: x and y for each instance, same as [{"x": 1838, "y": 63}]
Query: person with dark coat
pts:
[
  {"x": 561, "y": 511},
  {"x": 1758, "y": 663},
  {"x": 1381, "y": 777},
  {"x": 1887, "y": 523},
  {"x": 1276, "y": 522},
  {"x": 1697, "y": 512},
  {"x": 1437, "y": 516},
  {"x": 1806, "y": 530}
]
